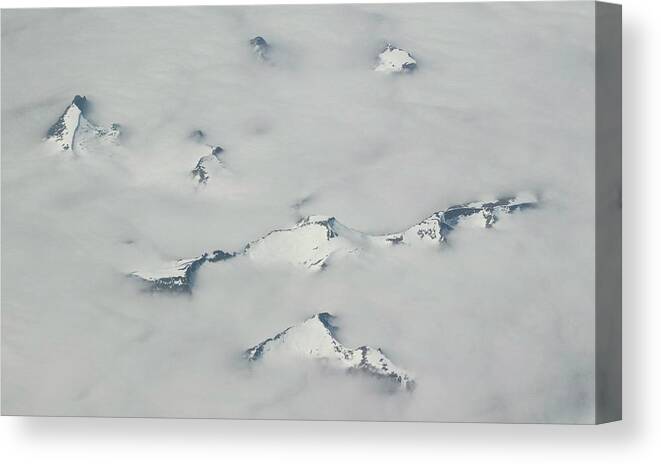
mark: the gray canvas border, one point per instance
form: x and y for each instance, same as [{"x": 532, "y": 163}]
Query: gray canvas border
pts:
[{"x": 608, "y": 212}]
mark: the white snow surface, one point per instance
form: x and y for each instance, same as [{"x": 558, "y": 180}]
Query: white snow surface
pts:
[
  {"x": 309, "y": 244},
  {"x": 89, "y": 137},
  {"x": 502, "y": 101}
]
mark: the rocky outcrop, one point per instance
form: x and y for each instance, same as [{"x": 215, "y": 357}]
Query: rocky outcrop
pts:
[
  {"x": 207, "y": 165},
  {"x": 260, "y": 48}
]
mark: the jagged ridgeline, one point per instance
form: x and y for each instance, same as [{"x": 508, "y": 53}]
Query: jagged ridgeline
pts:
[
  {"x": 315, "y": 339},
  {"x": 314, "y": 240}
]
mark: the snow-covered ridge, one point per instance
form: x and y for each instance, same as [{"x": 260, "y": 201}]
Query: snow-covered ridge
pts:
[
  {"x": 315, "y": 339},
  {"x": 315, "y": 240},
  {"x": 436, "y": 228},
  {"x": 395, "y": 60},
  {"x": 73, "y": 131}
]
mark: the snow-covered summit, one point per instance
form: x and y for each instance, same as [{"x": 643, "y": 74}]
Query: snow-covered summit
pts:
[
  {"x": 73, "y": 131},
  {"x": 315, "y": 339},
  {"x": 309, "y": 244},
  {"x": 395, "y": 60}
]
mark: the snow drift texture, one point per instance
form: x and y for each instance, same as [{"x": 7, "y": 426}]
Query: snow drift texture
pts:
[{"x": 496, "y": 326}]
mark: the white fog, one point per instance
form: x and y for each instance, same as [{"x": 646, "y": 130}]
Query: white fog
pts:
[{"x": 495, "y": 325}]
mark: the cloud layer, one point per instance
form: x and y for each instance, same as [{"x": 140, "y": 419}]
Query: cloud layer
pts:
[{"x": 496, "y": 327}]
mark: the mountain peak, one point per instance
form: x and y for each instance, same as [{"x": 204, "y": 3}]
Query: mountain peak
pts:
[
  {"x": 310, "y": 243},
  {"x": 73, "y": 132},
  {"x": 315, "y": 339},
  {"x": 325, "y": 318}
]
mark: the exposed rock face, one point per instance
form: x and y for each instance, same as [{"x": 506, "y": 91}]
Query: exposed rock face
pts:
[
  {"x": 394, "y": 60},
  {"x": 73, "y": 132},
  {"x": 219, "y": 255},
  {"x": 260, "y": 48},
  {"x": 315, "y": 240},
  {"x": 315, "y": 339}
]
